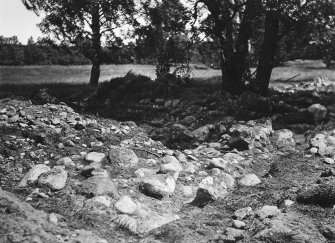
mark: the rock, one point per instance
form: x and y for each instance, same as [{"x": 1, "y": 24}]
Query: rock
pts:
[
  {"x": 313, "y": 150},
  {"x": 250, "y": 180},
  {"x": 171, "y": 167},
  {"x": 33, "y": 175},
  {"x": 144, "y": 172},
  {"x": 328, "y": 161},
  {"x": 233, "y": 158},
  {"x": 126, "y": 205},
  {"x": 55, "y": 121},
  {"x": 218, "y": 163},
  {"x": 268, "y": 212},
  {"x": 243, "y": 213},
  {"x": 227, "y": 179},
  {"x": 324, "y": 143},
  {"x": 234, "y": 234},
  {"x": 54, "y": 179},
  {"x": 158, "y": 186},
  {"x": 122, "y": 156},
  {"x": 94, "y": 157},
  {"x": 69, "y": 143},
  {"x": 209, "y": 191},
  {"x": 238, "y": 143},
  {"x": 169, "y": 159},
  {"x": 284, "y": 138},
  {"x": 98, "y": 202},
  {"x": 96, "y": 186},
  {"x": 202, "y": 133},
  {"x": 66, "y": 161},
  {"x": 79, "y": 126},
  {"x": 319, "y": 112},
  {"x": 238, "y": 224}
]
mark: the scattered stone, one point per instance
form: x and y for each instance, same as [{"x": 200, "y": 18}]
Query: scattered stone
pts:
[
  {"x": 126, "y": 205},
  {"x": 144, "y": 172},
  {"x": 238, "y": 143},
  {"x": 284, "y": 138},
  {"x": 234, "y": 234},
  {"x": 79, "y": 126},
  {"x": 33, "y": 175},
  {"x": 250, "y": 180},
  {"x": 158, "y": 186},
  {"x": 69, "y": 143},
  {"x": 55, "y": 178},
  {"x": 201, "y": 133},
  {"x": 122, "y": 156},
  {"x": 238, "y": 224},
  {"x": 94, "y": 157},
  {"x": 66, "y": 161},
  {"x": 268, "y": 212},
  {"x": 96, "y": 186},
  {"x": 328, "y": 160}
]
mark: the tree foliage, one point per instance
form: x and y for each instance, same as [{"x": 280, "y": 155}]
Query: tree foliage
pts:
[{"x": 72, "y": 19}]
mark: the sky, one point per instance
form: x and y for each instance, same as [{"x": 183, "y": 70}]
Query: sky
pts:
[{"x": 15, "y": 19}]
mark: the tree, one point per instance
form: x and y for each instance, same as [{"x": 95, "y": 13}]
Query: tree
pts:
[
  {"x": 281, "y": 19},
  {"x": 230, "y": 23},
  {"x": 71, "y": 19},
  {"x": 164, "y": 34}
]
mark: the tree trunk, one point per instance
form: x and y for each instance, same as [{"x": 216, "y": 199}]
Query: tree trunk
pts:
[
  {"x": 268, "y": 51},
  {"x": 236, "y": 65},
  {"x": 96, "y": 42}
]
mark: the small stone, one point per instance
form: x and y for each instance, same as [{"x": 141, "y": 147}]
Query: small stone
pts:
[
  {"x": 53, "y": 108},
  {"x": 69, "y": 143},
  {"x": 122, "y": 156},
  {"x": 126, "y": 205},
  {"x": 55, "y": 121},
  {"x": 55, "y": 178},
  {"x": 67, "y": 161},
  {"x": 215, "y": 171},
  {"x": 60, "y": 146},
  {"x": 96, "y": 144},
  {"x": 238, "y": 224},
  {"x": 94, "y": 157},
  {"x": 201, "y": 133},
  {"x": 144, "y": 172},
  {"x": 169, "y": 159},
  {"x": 53, "y": 218},
  {"x": 187, "y": 191},
  {"x": 250, "y": 180},
  {"x": 33, "y": 175},
  {"x": 234, "y": 235},
  {"x": 96, "y": 186},
  {"x": 313, "y": 150},
  {"x": 328, "y": 161},
  {"x": 268, "y": 212},
  {"x": 79, "y": 126},
  {"x": 288, "y": 203},
  {"x": 158, "y": 186}
]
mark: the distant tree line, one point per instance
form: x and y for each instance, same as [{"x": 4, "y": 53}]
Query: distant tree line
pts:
[{"x": 45, "y": 51}]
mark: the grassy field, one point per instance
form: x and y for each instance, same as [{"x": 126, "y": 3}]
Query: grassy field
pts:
[
  {"x": 79, "y": 74},
  {"x": 24, "y": 76}
]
